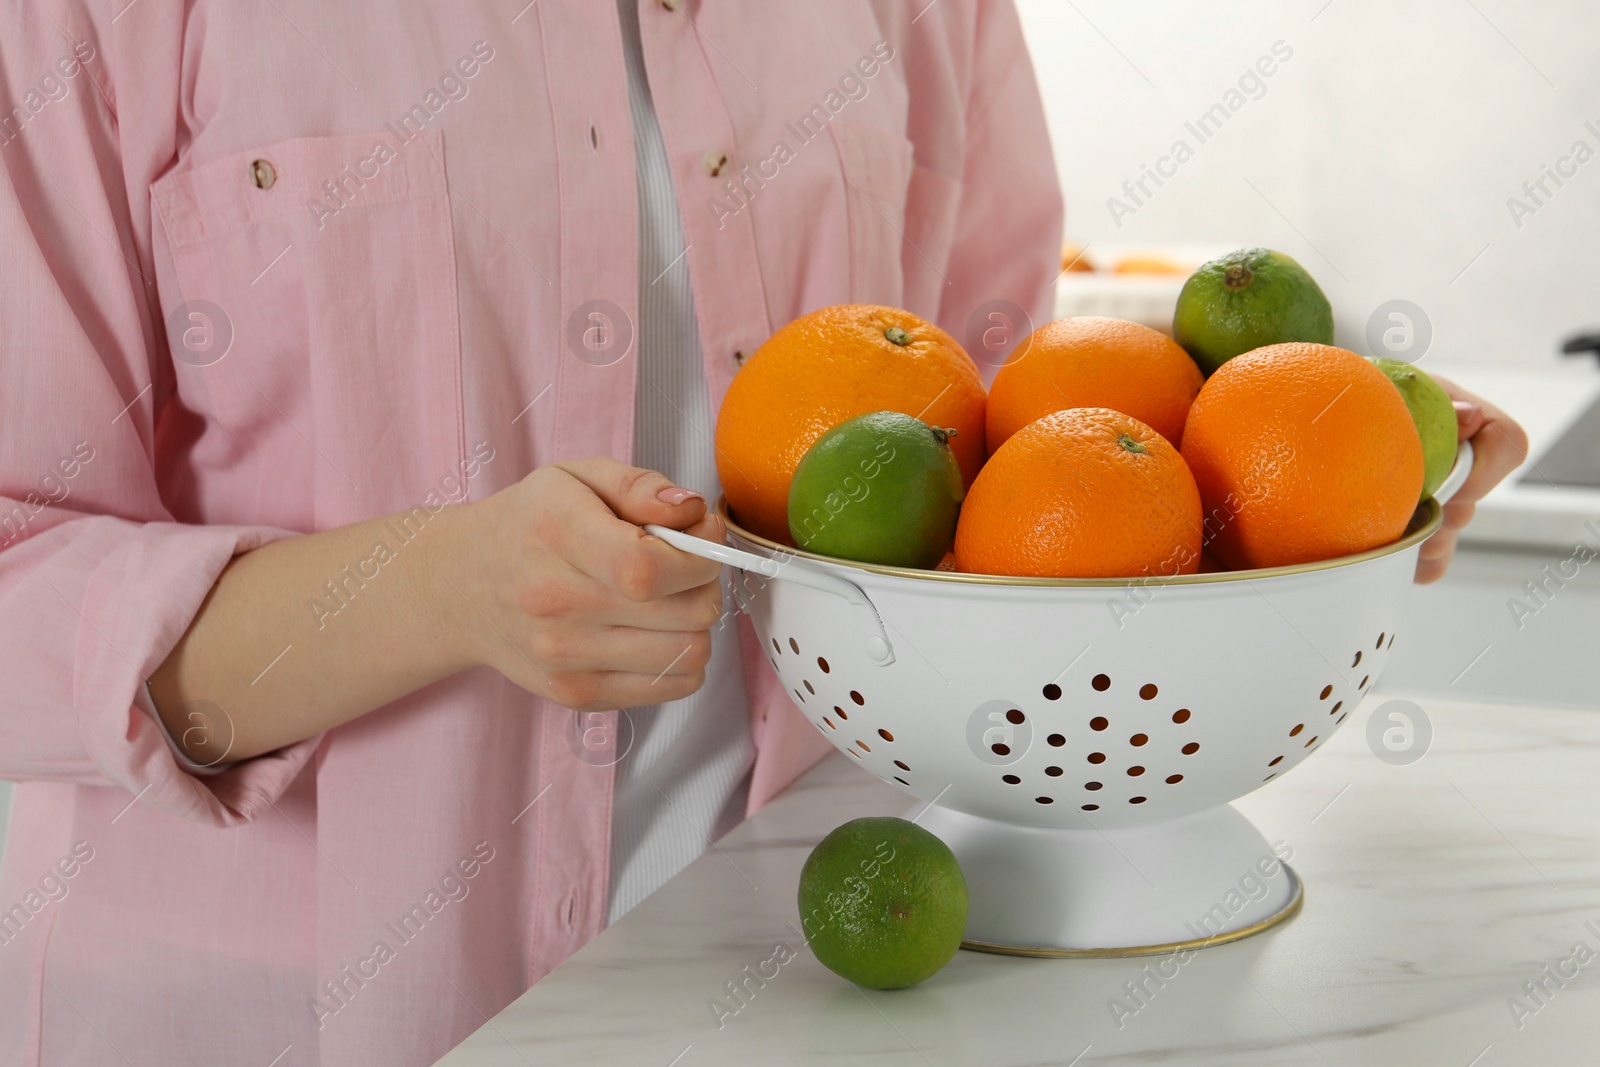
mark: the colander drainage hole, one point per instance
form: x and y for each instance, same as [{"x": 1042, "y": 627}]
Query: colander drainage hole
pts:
[
  {"x": 1097, "y": 757},
  {"x": 1191, "y": 748},
  {"x": 1137, "y": 800},
  {"x": 863, "y": 746},
  {"x": 1099, "y": 722},
  {"x": 1391, "y": 640},
  {"x": 775, "y": 647},
  {"x": 1015, "y": 717},
  {"x": 829, "y": 722},
  {"x": 1101, "y": 682},
  {"x": 901, "y": 780},
  {"x": 801, "y": 695},
  {"x": 1296, "y": 731},
  {"x": 1052, "y": 692},
  {"x": 1365, "y": 680},
  {"x": 1138, "y": 740},
  {"x": 794, "y": 645},
  {"x": 1135, "y": 771},
  {"x": 1148, "y": 691},
  {"x": 837, "y": 710},
  {"x": 1054, "y": 772},
  {"x": 823, "y": 665},
  {"x": 1340, "y": 719},
  {"x": 1335, "y": 709},
  {"x": 1311, "y": 742},
  {"x": 857, "y": 697},
  {"x": 809, "y": 687},
  {"x": 902, "y": 764},
  {"x": 1056, "y": 740},
  {"x": 1275, "y": 761},
  {"x": 1010, "y": 779},
  {"x": 1327, "y": 691},
  {"x": 885, "y": 734},
  {"x": 1091, "y": 786},
  {"x": 1181, "y": 716},
  {"x": 1174, "y": 779},
  {"x": 1044, "y": 800},
  {"x": 1088, "y": 807},
  {"x": 1357, "y": 661},
  {"x": 999, "y": 748},
  {"x": 1380, "y": 642}
]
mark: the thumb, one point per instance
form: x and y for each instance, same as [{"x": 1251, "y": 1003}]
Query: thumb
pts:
[{"x": 637, "y": 495}]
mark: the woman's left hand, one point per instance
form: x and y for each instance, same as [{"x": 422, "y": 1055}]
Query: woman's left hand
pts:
[{"x": 1499, "y": 446}]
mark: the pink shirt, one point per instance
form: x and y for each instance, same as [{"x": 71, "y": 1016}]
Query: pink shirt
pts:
[{"x": 274, "y": 268}]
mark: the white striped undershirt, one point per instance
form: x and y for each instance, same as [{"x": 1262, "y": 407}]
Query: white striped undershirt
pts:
[{"x": 684, "y": 781}]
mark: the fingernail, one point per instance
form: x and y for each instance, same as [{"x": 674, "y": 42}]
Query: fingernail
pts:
[
  {"x": 1466, "y": 409},
  {"x": 674, "y": 495}
]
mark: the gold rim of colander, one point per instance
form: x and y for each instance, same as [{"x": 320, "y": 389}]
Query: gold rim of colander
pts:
[
  {"x": 1415, "y": 535},
  {"x": 1289, "y": 911}
]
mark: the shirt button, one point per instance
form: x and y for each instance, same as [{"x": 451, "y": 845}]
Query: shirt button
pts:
[
  {"x": 262, "y": 174},
  {"x": 740, "y": 356},
  {"x": 714, "y": 162},
  {"x": 672, "y": 5}
]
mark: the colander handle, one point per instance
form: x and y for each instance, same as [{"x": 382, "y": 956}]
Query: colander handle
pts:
[
  {"x": 1458, "y": 474},
  {"x": 869, "y": 626}
]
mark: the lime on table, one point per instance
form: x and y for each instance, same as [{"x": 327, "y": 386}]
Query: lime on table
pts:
[
  {"x": 1246, "y": 300},
  {"x": 883, "y": 903},
  {"x": 882, "y": 488},
  {"x": 1435, "y": 416}
]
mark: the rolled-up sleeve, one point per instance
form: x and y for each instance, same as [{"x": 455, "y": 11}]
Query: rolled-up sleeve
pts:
[{"x": 97, "y": 582}]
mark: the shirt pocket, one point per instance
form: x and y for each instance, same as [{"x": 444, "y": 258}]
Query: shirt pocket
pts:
[
  {"x": 312, "y": 314},
  {"x": 876, "y": 165}
]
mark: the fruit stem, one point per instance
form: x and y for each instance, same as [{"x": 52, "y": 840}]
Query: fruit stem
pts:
[
  {"x": 1238, "y": 275},
  {"x": 943, "y": 433},
  {"x": 897, "y": 336},
  {"x": 1130, "y": 445}
]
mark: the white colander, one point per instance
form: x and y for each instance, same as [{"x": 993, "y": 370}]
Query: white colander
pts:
[{"x": 1079, "y": 741}]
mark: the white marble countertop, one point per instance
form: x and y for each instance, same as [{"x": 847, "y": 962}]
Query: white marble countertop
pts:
[{"x": 1434, "y": 891}]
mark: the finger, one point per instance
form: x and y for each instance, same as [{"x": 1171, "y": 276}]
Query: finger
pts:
[
  {"x": 1441, "y": 546},
  {"x": 637, "y": 495},
  {"x": 609, "y": 690},
  {"x": 621, "y": 556},
  {"x": 621, "y": 648},
  {"x": 1500, "y": 445},
  {"x": 1430, "y": 570},
  {"x": 686, "y": 611},
  {"x": 1458, "y": 515}
]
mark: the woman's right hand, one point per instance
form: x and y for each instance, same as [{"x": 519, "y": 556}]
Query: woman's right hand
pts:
[{"x": 552, "y": 582}]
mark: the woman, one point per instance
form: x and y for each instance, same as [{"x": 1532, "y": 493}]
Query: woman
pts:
[{"x": 346, "y": 349}]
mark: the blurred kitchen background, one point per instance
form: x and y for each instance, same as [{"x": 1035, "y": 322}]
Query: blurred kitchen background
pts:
[{"x": 1383, "y": 152}]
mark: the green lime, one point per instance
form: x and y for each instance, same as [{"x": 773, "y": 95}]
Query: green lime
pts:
[
  {"x": 1245, "y": 300},
  {"x": 1434, "y": 415},
  {"x": 883, "y": 903},
  {"x": 881, "y": 488}
]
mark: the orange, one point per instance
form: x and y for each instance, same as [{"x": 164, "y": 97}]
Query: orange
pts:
[
  {"x": 1092, "y": 362},
  {"x": 1302, "y": 452},
  {"x": 1082, "y": 493},
  {"x": 824, "y": 368}
]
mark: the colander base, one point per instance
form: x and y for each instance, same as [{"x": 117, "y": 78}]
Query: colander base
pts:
[{"x": 1166, "y": 887}]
